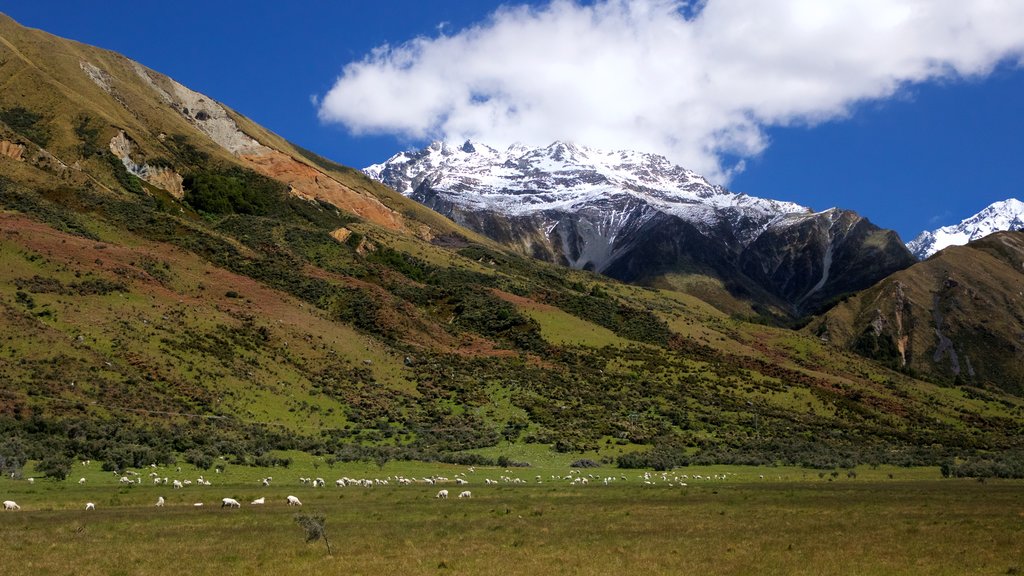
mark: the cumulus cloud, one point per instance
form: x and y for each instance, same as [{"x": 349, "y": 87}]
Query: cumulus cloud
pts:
[{"x": 696, "y": 81}]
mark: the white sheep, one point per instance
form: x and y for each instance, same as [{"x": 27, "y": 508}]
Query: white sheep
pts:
[
  {"x": 81, "y": 480},
  {"x": 443, "y": 494},
  {"x": 11, "y": 505},
  {"x": 461, "y": 481},
  {"x": 260, "y": 500},
  {"x": 198, "y": 504},
  {"x": 31, "y": 480},
  {"x": 465, "y": 494},
  {"x": 160, "y": 502},
  {"x": 230, "y": 503},
  {"x": 177, "y": 484},
  {"x": 293, "y": 501},
  {"x": 90, "y": 506}
]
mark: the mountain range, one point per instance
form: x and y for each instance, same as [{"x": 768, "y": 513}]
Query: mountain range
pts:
[
  {"x": 638, "y": 218},
  {"x": 178, "y": 282}
]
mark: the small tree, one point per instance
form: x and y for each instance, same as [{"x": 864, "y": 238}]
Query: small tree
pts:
[
  {"x": 56, "y": 466},
  {"x": 313, "y": 524}
]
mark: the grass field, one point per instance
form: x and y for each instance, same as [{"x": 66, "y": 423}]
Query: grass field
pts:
[{"x": 792, "y": 521}]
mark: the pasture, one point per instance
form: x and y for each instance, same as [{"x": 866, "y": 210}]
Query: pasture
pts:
[{"x": 792, "y": 521}]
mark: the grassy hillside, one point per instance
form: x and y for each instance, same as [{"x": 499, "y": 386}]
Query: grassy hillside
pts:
[
  {"x": 280, "y": 301},
  {"x": 956, "y": 318}
]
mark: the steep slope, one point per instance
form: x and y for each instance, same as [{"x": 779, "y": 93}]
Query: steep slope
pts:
[
  {"x": 1006, "y": 215},
  {"x": 957, "y": 317},
  {"x": 638, "y": 218},
  {"x": 85, "y": 101},
  {"x": 241, "y": 317}
]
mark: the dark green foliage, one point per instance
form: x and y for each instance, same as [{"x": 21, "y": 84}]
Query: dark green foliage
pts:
[
  {"x": 20, "y": 199},
  {"x": 625, "y": 320},
  {"x": 87, "y": 129},
  {"x": 1009, "y": 464},
  {"x": 185, "y": 151},
  {"x": 199, "y": 459},
  {"x": 88, "y": 287},
  {"x": 13, "y": 454},
  {"x": 127, "y": 180},
  {"x": 665, "y": 455},
  {"x": 220, "y": 194},
  {"x": 480, "y": 311},
  {"x": 56, "y": 466},
  {"x": 359, "y": 308},
  {"x": 26, "y": 123},
  {"x": 126, "y": 455},
  {"x": 584, "y": 463},
  {"x": 878, "y": 347},
  {"x": 408, "y": 266}
]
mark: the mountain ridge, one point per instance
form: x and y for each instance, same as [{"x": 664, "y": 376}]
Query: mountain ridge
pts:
[
  {"x": 599, "y": 210},
  {"x": 1005, "y": 215}
]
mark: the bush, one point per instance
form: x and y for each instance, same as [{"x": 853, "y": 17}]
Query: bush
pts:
[
  {"x": 228, "y": 193},
  {"x": 199, "y": 459},
  {"x": 26, "y": 123},
  {"x": 584, "y": 463},
  {"x": 56, "y": 466}
]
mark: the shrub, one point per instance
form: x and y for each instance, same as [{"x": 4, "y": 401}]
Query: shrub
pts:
[
  {"x": 56, "y": 466},
  {"x": 26, "y": 123}
]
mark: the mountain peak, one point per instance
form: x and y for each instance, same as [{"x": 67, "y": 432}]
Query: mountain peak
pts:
[
  {"x": 563, "y": 176},
  {"x": 1005, "y": 215}
]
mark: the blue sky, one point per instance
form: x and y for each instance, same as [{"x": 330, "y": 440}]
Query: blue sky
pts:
[{"x": 911, "y": 146}]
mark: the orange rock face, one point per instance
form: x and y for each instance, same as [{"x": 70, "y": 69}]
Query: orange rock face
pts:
[
  {"x": 308, "y": 182},
  {"x": 11, "y": 150}
]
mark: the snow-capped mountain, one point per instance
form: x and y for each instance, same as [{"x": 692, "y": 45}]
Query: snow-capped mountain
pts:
[
  {"x": 638, "y": 217},
  {"x": 564, "y": 177},
  {"x": 1007, "y": 215}
]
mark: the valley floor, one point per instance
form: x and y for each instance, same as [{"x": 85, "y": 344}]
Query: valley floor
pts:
[{"x": 791, "y": 521}]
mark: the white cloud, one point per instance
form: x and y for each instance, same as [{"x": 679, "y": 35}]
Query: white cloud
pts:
[{"x": 641, "y": 74}]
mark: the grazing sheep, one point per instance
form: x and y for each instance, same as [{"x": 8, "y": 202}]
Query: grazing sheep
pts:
[
  {"x": 260, "y": 500},
  {"x": 230, "y": 503},
  {"x": 90, "y": 506},
  {"x": 31, "y": 480},
  {"x": 293, "y": 501},
  {"x": 465, "y": 494},
  {"x": 461, "y": 481},
  {"x": 11, "y": 505},
  {"x": 81, "y": 480},
  {"x": 443, "y": 494},
  {"x": 160, "y": 502},
  {"x": 177, "y": 484},
  {"x": 198, "y": 504}
]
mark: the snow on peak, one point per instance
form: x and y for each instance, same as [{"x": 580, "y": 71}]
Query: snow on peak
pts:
[
  {"x": 997, "y": 217},
  {"x": 566, "y": 177}
]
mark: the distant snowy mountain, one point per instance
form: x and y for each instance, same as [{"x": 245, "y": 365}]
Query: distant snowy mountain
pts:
[
  {"x": 1007, "y": 215},
  {"x": 638, "y": 217},
  {"x": 566, "y": 177}
]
